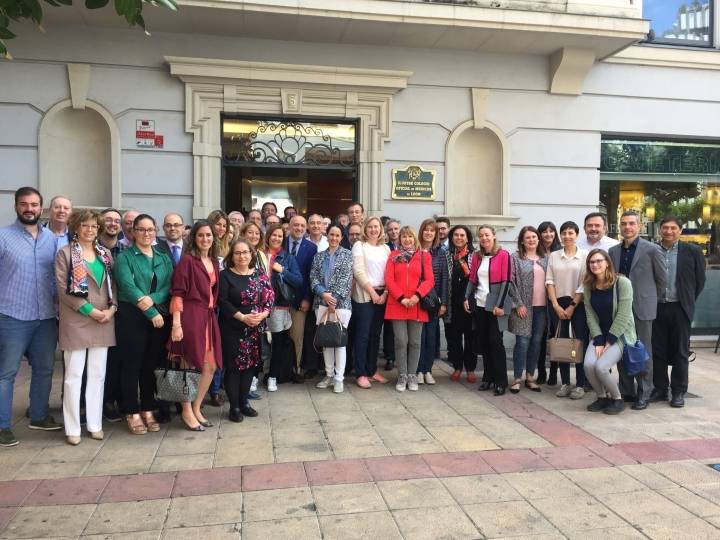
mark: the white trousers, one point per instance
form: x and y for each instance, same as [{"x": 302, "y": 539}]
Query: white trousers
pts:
[
  {"x": 74, "y": 366},
  {"x": 334, "y": 358}
]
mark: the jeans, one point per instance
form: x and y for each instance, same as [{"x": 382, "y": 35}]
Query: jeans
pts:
[
  {"x": 599, "y": 370},
  {"x": 430, "y": 335},
  {"x": 407, "y": 336},
  {"x": 368, "y": 322},
  {"x": 216, "y": 382},
  {"x": 527, "y": 348},
  {"x": 36, "y": 340}
]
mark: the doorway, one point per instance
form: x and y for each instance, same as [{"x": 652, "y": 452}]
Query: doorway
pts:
[{"x": 308, "y": 164}]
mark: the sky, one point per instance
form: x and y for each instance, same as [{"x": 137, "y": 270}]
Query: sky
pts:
[{"x": 663, "y": 13}]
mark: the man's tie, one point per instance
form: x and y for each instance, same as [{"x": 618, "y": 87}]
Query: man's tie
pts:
[
  {"x": 176, "y": 254},
  {"x": 294, "y": 248}
]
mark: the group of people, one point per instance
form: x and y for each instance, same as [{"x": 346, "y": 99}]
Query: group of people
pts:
[{"x": 239, "y": 298}]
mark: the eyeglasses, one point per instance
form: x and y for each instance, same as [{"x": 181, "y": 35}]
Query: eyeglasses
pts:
[
  {"x": 111, "y": 221},
  {"x": 89, "y": 226},
  {"x": 173, "y": 225},
  {"x": 145, "y": 231},
  {"x": 596, "y": 261},
  {"x": 245, "y": 252}
]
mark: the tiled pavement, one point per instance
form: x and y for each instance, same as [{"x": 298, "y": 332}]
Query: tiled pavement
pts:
[{"x": 445, "y": 462}]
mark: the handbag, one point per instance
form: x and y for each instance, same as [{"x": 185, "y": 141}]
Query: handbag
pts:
[
  {"x": 567, "y": 350},
  {"x": 286, "y": 291},
  {"x": 175, "y": 383},
  {"x": 330, "y": 334},
  {"x": 430, "y": 302},
  {"x": 164, "y": 308}
]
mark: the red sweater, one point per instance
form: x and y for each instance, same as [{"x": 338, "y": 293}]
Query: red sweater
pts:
[{"x": 402, "y": 280}]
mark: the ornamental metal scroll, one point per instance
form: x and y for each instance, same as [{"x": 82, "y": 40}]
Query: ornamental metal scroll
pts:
[{"x": 287, "y": 143}]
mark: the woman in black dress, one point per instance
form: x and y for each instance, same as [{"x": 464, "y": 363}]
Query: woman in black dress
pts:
[{"x": 245, "y": 300}]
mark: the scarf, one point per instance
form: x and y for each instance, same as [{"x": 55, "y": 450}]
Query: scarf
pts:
[
  {"x": 78, "y": 274},
  {"x": 460, "y": 259},
  {"x": 404, "y": 255}
]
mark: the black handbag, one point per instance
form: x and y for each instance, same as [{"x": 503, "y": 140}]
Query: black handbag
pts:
[
  {"x": 164, "y": 308},
  {"x": 287, "y": 292},
  {"x": 174, "y": 382},
  {"x": 330, "y": 334},
  {"x": 430, "y": 302}
]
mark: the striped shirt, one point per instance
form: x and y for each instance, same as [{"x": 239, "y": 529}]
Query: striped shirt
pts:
[{"x": 27, "y": 267}]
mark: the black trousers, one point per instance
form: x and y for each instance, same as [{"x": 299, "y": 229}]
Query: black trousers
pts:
[
  {"x": 388, "y": 342},
  {"x": 459, "y": 335},
  {"x": 237, "y": 384},
  {"x": 671, "y": 347},
  {"x": 282, "y": 357},
  {"x": 490, "y": 345},
  {"x": 113, "y": 390},
  {"x": 311, "y": 359},
  {"x": 140, "y": 350}
]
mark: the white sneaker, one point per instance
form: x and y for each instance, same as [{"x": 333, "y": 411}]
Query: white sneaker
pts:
[
  {"x": 272, "y": 384},
  {"x": 253, "y": 384},
  {"x": 577, "y": 393},
  {"x": 564, "y": 391},
  {"x": 338, "y": 387},
  {"x": 413, "y": 383},
  {"x": 420, "y": 378},
  {"x": 429, "y": 379},
  {"x": 401, "y": 383},
  {"x": 324, "y": 383}
]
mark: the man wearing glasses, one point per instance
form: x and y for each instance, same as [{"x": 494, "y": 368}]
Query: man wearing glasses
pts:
[
  {"x": 110, "y": 235},
  {"x": 172, "y": 244}
]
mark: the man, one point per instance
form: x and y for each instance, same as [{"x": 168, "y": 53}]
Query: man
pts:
[
  {"x": 272, "y": 219},
  {"x": 127, "y": 228},
  {"x": 60, "y": 210},
  {"x": 303, "y": 250},
  {"x": 268, "y": 209},
  {"x": 643, "y": 264},
  {"x": 354, "y": 232},
  {"x": 343, "y": 220},
  {"x": 172, "y": 244},
  {"x": 289, "y": 212},
  {"x": 356, "y": 214},
  {"x": 256, "y": 217},
  {"x": 392, "y": 231},
  {"x": 595, "y": 230},
  {"x": 443, "y": 225},
  {"x": 326, "y": 221},
  {"x": 685, "y": 280},
  {"x": 113, "y": 224},
  {"x": 28, "y": 325},
  {"x": 315, "y": 230},
  {"x": 237, "y": 219}
]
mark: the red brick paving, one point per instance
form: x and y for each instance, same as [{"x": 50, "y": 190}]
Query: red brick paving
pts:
[
  {"x": 139, "y": 487},
  {"x": 457, "y": 464},
  {"x": 571, "y": 457},
  {"x": 613, "y": 455},
  {"x": 208, "y": 482},
  {"x": 519, "y": 460},
  {"x": 273, "y": 476},
  {"x": 13, "y": 493},
  {"x": 398, "y": 468},
  {"x": 6, "y": 514},
  {"x": 341, "y": 471},
  {"x": 697, "y": 448},
  {"x": 651, "y": 452},
  {"x": 84, "y": 490}
]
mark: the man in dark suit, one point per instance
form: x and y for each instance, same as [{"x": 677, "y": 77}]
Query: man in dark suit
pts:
[
  {"x": 643, "y": 264},
  {"x": 685, "y": 266},
  {"x": 172, "y": 244},
  {"x": 303, "y": 250}
]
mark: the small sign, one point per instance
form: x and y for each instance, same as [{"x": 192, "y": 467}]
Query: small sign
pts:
[
  {"x": 145, "y": 136},
  {"x": 413, "y": 183}
]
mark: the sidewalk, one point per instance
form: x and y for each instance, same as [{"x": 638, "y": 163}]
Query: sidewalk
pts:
[{"x": 445, "y": 462}]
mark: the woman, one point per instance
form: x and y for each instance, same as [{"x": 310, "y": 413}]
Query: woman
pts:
[
  {"x": 245, "y": 300},
  {"x": 331, "y": 282},
  {"x": 550, "y": 241},
  {"x": 564, "y": 281},
  {"x": 430, "y": 243},
  {"x": 408, "y": 277},
  {"x": 608, "y": 301},
  {"x": 194, "y": 292},
  {"x": 528, "y": 318},
  {"x": 221, "y": 226},
  {"x": 83, "y": 273},
  {"x": 487, "y": 297},
  {"x": 369, "y": 295},
  {"x": 281, "y": 266},
  {"x": 459, "y": 322},
  {"x": 143, "y": 276}
]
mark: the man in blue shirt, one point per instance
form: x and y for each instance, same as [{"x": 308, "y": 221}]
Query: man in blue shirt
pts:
[{"x": 27, "y": 312}]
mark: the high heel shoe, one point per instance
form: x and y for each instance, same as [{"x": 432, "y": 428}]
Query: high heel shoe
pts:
[
  {"x": 499, "y": 390},
  {"x": 515, "y": 387},
  {"x": 532, "y": 385},
  {"x": 199, "y": 427},
  {"x": 149, "y": 420},
  {"x": 135, "y": 424}
]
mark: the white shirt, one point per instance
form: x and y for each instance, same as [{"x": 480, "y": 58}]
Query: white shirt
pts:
[
  {"x": 483, "y": 285},
  {"x": 375, "y": 261},
  {"x": 605, "y": 243},
  {"x": 566, "y": 273},
  {"x": 322, "y": 245}
]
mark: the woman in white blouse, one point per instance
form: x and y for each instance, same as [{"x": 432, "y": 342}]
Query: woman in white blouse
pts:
[
  {"x": 564, "y": 280},
  {"x": 368, "y": 300}
]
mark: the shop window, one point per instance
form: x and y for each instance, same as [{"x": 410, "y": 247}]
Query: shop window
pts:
[
  {"x": 659, "y": 178},
  {"x": 680, "y": 22}
]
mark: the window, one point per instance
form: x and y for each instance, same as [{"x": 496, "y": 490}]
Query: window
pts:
[{"x": 680, "y": 22}]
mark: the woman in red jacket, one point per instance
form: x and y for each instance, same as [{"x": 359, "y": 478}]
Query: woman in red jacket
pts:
[{"x": 408, "y": 277}]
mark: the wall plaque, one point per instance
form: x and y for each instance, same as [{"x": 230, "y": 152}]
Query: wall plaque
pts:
[{"x": 413, "y": 183}]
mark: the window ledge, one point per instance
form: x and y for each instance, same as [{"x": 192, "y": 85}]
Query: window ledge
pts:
[{"x": 668, "y": 56}]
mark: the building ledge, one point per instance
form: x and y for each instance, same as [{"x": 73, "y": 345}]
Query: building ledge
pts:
[{"x": 668, "y": 56}]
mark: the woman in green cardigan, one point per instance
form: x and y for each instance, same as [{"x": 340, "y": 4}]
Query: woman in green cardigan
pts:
[{"x": 608, "y": 301}]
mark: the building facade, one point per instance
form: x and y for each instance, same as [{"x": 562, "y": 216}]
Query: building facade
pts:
[{"x": 521, "y": 111}]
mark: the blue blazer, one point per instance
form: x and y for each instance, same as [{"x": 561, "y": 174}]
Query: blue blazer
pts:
[
  {"x": 304, "y": 258},
  {"x": 290, "y": 273}
]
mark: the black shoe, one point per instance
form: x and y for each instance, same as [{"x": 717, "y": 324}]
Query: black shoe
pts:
[
  {"x": 389, "y": 365},
  {"x": 552, "y": 379},
  {"x": 484, "y": 386},
  {"x": 599, "y": 405},
  {"x": 235, "y": 415},
  {"x": 542, "y": 377},
  {"x": 678, "y": 400},
  {"x": 640, "y": 405},
  {"x": 616, "y": 406},
  {"x": 163, "y": 415},
  {"x": 248, "y": 411},
  {"x": 656, "y": 395},
  {"x": 310, "y": 374},
  {"x": 499, "y": 390},
  {"x": 111, "y": 414},
  {"x": 296, "y": 378},
  {"x": 627, "y": 398}
]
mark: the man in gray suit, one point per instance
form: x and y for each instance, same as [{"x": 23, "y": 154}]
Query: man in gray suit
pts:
[{"x": 641, "y": 262}]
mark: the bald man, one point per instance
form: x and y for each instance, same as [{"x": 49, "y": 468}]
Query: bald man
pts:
[{"x": 172, "y": 244}]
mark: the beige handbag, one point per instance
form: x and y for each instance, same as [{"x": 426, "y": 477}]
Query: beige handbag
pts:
[{"x": 566, "y": 350}]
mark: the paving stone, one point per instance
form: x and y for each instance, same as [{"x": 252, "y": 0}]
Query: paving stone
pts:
[
  {"x": 15, "y": 492},
  {"x": 68, "y": 491},
  {"x": 61, "y": 452},
  {"x": 378, "y": 525},
  {"x": 228, "y": 531},
  {"x": 515, "y": 460},
  {"x": 192, "y": 445},
  {"x": 398, "y": 467},
  {"x": 604, "y": 480},
  {"x": 613, "y": 455},
  {"x": 711, "y": 492},
  {"x": 278, "y": 504},
  {"x": 344, "y": 471},
  {"x": 298, "y": 437},
  {"x": 647, "y": 476},
  {"x": 577, "y": 513},
  {"x": 46, "y": 521},
  {"x": 207, "y": 482},
  {"x": 357, "y": 437},
  {"x": 688, "y": 529},
  {"x": 651, "y": 452},
  {"x": 571, "y": 457},
  {"x": 477, "y": 489},
  {"x": 415, "y": 493},
  {"x": 457, "y": 464},
  {"x": 436, "y": 522},
  {"x": 543, "y": 484},
  {"x": 32, "y": 471},
  {"x": 559, "y": 432},
  {"x": 281, "y": 475},
  {"x": 641, "y": 508},
  {"x": 687, "y": 473},
  {"x": 691, "y": 502},
  {"x": 135, "y": 535},
  {"x": 348, "y": 499},
  {"x": 511, "y": 518},
  {"x": 236, "y": 457},
  {"x": 403, "y": 447},
  {"x": 204, "y": 510},
  {"x": 618, "y": 533},
  {"x": 317, "y": 452},
  {"x": 6, "y": 514},
  {"x": 462, "y": 438},
  {"x": 306, "y": 528},
  {"x": 118, "y": 466},
  {"x": 117, "y": 517},
  {"x": 182, "y": 463},
  {"x": 136, "y": 488},
  {"x": 697, "y": 448}
]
